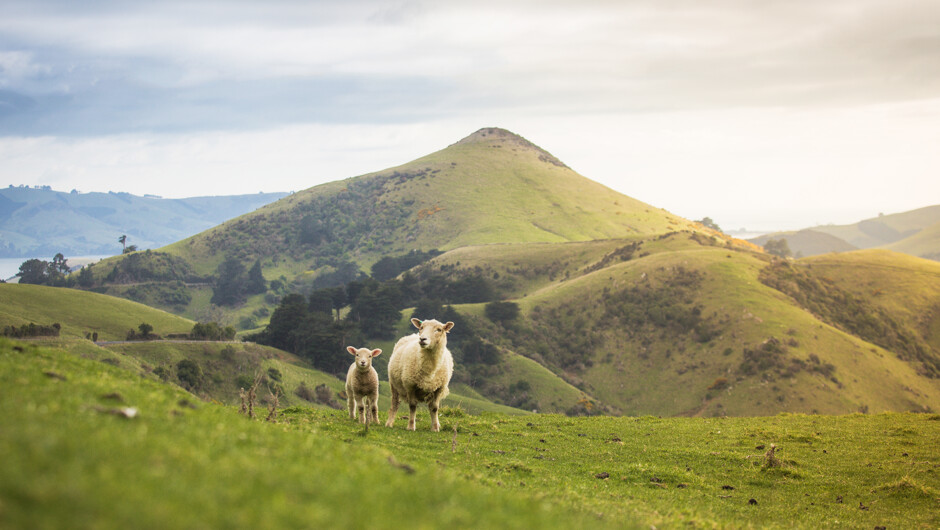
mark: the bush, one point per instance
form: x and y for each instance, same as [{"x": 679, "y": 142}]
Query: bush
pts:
[
  {"x": 189, "y": 374},
  {"x": 305, "y": 392},
  {"x": 499, "y": 312}
]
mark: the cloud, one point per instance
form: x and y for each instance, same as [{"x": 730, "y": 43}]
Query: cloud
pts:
[
  {"x": 699, "y": 107},
  {"x": 219, "y": 65}
]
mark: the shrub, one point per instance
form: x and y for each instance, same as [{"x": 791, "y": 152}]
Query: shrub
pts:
[
  {"x": 189, "y": 374},
  {"x": 499, "y": 312},
  {"x": 305, "y": 392}
]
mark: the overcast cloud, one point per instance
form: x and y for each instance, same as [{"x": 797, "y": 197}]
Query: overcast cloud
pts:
[{"x": 758, "y": 114}]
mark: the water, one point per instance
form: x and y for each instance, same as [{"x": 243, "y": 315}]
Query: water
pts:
[{"x": 10, "y": 266}]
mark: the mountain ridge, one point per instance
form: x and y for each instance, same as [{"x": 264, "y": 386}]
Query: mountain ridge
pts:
[{"x": 38, "y": 222}]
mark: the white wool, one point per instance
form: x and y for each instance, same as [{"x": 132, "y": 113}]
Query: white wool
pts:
[
  {"x": 420, "y": 369},
  {"x": 362, "y": 386}
]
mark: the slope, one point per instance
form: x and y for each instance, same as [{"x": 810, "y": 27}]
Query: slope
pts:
[
  {"x": 925, "y": 243},
  {"x": 80, "y": 312},
  {"x": 885, "y": 231},
  {"x": 682, "y": 325},
  {"x": 69, "y": 447},
  {"x": 905, "y": 288},
  {"x": 73, "y": 441},
  {"x": 491, "y": 187},
  {"x": 221, "y": 368}
]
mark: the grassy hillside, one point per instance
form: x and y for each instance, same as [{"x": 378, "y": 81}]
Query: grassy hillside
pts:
[
  {"x": 69, "y": 447},
  {"x": 925, "y": 243},
  {"x": 81, "y": 312},
  {"x": 491, "y": 187},
  {"x": 681, "y": 325},
  {"x": 905, "y": 287},
  {"x": 913, "y": 232}
]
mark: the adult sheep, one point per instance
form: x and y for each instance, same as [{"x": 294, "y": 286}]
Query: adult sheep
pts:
[{"x": 420, "y": 369}]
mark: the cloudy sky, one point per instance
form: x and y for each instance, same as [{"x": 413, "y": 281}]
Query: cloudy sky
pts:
[{"x": 758, "y": 114}]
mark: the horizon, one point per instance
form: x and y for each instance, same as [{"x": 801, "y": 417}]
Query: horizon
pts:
[{"x": 760, "y": 117}]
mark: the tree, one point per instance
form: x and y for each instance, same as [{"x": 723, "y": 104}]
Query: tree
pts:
[
  {"x": 708, "y": 223},
  {"x": 60, "y": 265},
  {"x": 230, "y": 284},
  {"x": 256, "y": 283},
  {"x": 131, "y": 248},
  {"x": 321, "y": 301},
  {"x": 123, "y": 241},
  {"x": 145, "y": 329},
  {"x": 287, "y": 317},
  {"x": 501, "y": 311},
  {"x": 34, "y": 271},
  {"x": 376, "y": 309},
  {"x": 85, "y": 277},
  {"x": 777, "y": 247}
]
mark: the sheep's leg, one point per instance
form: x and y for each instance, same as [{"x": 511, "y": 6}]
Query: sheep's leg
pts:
[
  {"x": 432, "y": 408},
  {"x": 393, "y": 408},
  {"x": 375, "y": 409},
  {"x": 413, "y": 409},
  {"x": 351, "y": 405},
  {"x": 361, "y": 406}
]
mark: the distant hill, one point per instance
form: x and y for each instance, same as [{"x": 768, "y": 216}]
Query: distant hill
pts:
[
  {"x": 925, "y": 243},
  {"x": 623, "y": 307},
  {"x": 42, "y": 222},
  {"x": 916, "y": 232},
  {"x": 809, "y": 242}
]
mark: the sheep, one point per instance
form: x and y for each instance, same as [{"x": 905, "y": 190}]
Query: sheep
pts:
[
  {"x": 420, "y": 369},
  {"x": 362, "y": 386}
]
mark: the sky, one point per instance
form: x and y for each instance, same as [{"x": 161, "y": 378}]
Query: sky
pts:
[{"x": 761, "y": 115}]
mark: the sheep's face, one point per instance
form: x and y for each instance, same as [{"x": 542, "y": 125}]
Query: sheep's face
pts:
[
  {"x": 363, "y": 356},
  {"x": 431, "y": 332}
]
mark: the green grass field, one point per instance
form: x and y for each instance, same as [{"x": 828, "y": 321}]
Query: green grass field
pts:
[
  {"x": 73, "y": 459},
  {"x": 81, "y": 312}
]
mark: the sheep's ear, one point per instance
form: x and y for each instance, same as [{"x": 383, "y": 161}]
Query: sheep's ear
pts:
[
  {"x": 351, "y": 350},
  {"x": 416, "y": 323},
  {"x": 448, "y": 326},
  {"x": 376, "y": 352}
]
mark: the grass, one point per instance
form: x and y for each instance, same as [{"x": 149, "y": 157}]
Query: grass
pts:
[
  {"x": 70, "y": 461},
  {"x": 81, "y": 312},
  {"x": 925, "y": 243}
]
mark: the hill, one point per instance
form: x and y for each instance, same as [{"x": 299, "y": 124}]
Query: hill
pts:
[
  {"x": 913, "y": 232},
  {"x": 491, "y": 187},
  {"x": 80, "y": 313},
  {"x": 681, "y": 325},
  {"x": 809, "y": 242},
  {"x": 925, "y": 243},
  {"x": 75, "y": 429},
  {"x": 43, "y": 222},
  {"x": 622, "y": 308},
  {"x": 220, "y": 368}
]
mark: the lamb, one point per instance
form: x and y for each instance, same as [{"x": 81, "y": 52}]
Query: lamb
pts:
[
  {"x": 362, "y": 386},
  {"x": 420, "y": 369}
]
